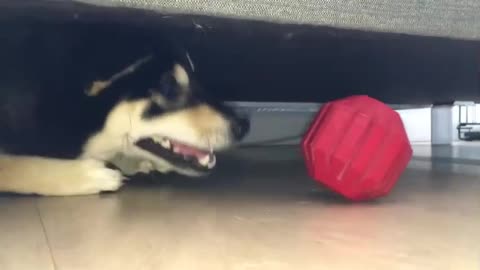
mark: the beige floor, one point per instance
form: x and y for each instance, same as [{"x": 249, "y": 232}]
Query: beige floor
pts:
[{"x": 260, "y": 214}]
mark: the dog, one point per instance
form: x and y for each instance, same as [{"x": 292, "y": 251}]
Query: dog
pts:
[{"x": 78, "y": 98}]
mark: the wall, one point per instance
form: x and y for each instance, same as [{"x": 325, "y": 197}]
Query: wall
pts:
[{"x": 288, "y": 121}]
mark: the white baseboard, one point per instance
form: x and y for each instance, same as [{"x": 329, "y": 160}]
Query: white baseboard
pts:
[{"x": 274, "y": 120}]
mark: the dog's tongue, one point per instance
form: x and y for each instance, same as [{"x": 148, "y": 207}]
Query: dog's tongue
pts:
[{"x": 188, "y": 151}]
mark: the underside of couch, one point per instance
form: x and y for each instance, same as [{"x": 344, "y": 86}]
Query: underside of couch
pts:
[
  {"x": 413, "y": 52},
  {"x": 445, "y": 18}
]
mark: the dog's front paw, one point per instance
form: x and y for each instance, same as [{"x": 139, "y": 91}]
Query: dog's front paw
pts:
[
  {"x": 56, "y": 177},
  {"x": 98, "y": 178},
  {"x": 77, "y": 177}
]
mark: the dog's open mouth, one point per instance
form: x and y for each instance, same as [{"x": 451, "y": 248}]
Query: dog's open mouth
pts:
[{"x": 178, "y": 154}]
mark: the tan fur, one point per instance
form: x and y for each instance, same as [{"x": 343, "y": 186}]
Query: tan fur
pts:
[
  {"x": 199, "y": 126},
  {"x": 97, "y": 87},
  {"x": 100, "y": 85},
  {"x": 47, "y": 176},
  {"x": 140, "y": 162},
  {"x": 181, "y": 76}
]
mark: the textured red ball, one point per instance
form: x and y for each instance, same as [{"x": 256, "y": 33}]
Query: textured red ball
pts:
[{"x": 357, "y": 147}]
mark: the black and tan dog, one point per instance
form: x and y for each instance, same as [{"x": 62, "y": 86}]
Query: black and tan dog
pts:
[{"x": 74, "y": 98}]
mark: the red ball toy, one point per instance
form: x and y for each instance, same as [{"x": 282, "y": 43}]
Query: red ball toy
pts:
[{"x": 357, "y": 147}]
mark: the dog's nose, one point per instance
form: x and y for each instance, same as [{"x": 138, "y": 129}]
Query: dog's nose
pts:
[{"x": 240, "y": 127}]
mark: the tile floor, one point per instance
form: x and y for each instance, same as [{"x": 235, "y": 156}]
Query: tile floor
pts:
[{"x": 259, "y": 214}]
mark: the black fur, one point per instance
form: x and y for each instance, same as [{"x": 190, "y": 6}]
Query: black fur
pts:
[{"x": 44, "y": 110}]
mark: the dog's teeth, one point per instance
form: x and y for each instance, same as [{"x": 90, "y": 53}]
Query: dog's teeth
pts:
[
  {"x": 212, "y": 161},
  {"x": 208, "y": 161},
  {"x": 165, "y": 143},
  {"x": 204, "y": 160}
]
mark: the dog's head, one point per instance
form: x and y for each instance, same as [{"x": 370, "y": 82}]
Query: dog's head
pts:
[{"x": 172, "y": 122}]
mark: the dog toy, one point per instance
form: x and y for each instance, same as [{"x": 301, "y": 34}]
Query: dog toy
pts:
[{"x": 357, "y": 147}]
